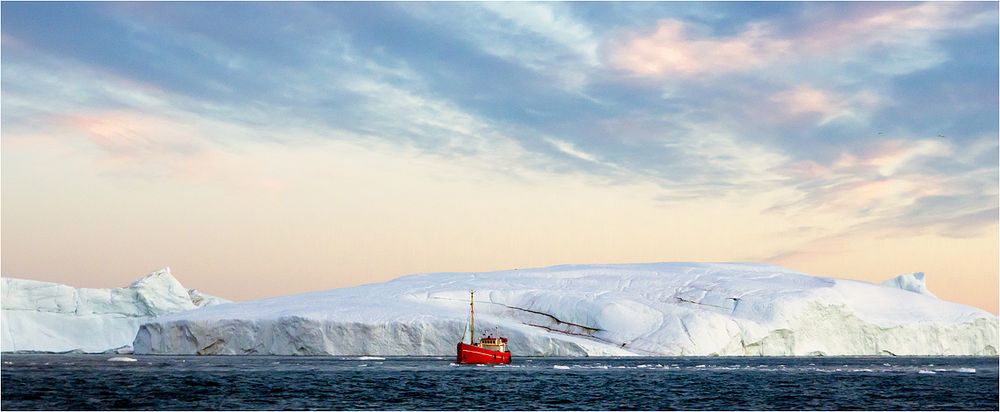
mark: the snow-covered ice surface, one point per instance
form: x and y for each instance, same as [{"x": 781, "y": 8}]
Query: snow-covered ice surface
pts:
[
  {"x": 597, "y": 310},
  {"x": 50, "y": 317}
]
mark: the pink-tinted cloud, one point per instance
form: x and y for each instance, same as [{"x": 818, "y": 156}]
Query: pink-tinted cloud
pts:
[
  {"x": 9, "y": 41},
  {"x": 883, "y": 159},
  {"x": 892, "y": 22},
  {"x": 805, "y": 99},
  {"x": 137, "y": 144},
  {"x": 132, "y": 135},
  {"x": 676, "y": 48},
  {"x": 871, "y": 184},
  {"x": 673, "y": 49},
  {"x": 887, "y": 158}
]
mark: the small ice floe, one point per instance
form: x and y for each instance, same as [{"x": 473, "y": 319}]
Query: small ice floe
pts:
[
  {"x": 370, "y": 358},
  {"x": 598, "y": 366},
  {"x": 8, "y": 363},
  {"x": 926, "y": 372},
  {"x": 122, "y": 359},
  {"x": 560, "y": 367},
  {"x": 699, "y": 366},
  {"x": 453, "y": 364},
  {"x": 123, "y": 350},
  {"x": 362, "y": 365},
  {"x": 966, "y": 370}
]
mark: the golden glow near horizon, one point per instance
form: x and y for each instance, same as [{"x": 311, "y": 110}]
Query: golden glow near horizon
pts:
[
  {"x": 852, "y": 140},
  {"x": 348, "y": 215}
]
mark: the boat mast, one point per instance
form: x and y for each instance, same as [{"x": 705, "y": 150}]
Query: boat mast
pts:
[{"x": 472, "y": 306}]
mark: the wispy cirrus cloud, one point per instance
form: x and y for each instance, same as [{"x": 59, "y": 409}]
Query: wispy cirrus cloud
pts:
[
  {"x": 896, "y": 185},
  {"x": 552, "y": 22},
  {"x": 903, "y": 37}
]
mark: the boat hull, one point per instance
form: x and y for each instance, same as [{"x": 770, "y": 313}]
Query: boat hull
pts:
[{"x": 470, "y": 354}]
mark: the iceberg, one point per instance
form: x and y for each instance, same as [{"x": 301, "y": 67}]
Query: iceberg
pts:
[
  {"x": 50, "y": 317},
  {"x": 669, "y": 309}
]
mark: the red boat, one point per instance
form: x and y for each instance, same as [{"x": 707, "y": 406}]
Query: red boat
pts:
[{"x": 489, "y": 350}]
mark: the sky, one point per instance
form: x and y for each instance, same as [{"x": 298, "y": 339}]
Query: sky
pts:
[{"x": 264, "y": 149}]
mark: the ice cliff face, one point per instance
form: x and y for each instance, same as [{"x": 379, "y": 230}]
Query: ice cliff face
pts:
[
  {"x": 646, "y": 309},
  {"x": 49, "y": 317}
]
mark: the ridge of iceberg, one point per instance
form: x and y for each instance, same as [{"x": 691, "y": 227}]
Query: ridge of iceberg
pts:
[
  {"x": 42, "y": 316},
  {"x": 201, "y": 299},
  {"x": 590, "y": 310},
  {"x": 913, "y": 282}
]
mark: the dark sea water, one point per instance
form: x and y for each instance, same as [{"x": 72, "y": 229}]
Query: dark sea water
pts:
[{"x": 83, "y": 382}]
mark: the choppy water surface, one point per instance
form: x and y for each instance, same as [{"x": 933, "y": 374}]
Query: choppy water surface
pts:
[{"x": 58, "y": 382}]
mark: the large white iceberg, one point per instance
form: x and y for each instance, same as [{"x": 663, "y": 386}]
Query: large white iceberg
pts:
[
  {"x": 50, "y": 317},
  {"x": 607, "y": 310}
]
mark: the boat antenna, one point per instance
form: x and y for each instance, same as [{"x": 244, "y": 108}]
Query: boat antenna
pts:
[{"x": 472, "y": 311}]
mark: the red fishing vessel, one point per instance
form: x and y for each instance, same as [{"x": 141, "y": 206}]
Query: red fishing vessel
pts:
[{"x": 488, "y": 350}]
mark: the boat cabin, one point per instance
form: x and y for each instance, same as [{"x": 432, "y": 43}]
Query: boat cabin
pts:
[{"x": 495, "y": 344}]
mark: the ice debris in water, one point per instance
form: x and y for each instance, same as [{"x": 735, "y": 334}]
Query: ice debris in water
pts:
[{"x": 122, "y": 359}]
